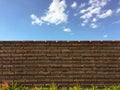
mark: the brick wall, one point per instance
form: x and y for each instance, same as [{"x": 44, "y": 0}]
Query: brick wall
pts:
[{"x": 38, "y": 63}]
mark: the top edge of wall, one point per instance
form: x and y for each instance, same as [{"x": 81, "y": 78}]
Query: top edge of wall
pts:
[{"x": 59, "y": 41}]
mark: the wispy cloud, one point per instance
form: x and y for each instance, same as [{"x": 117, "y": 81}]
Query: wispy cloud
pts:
[
  {"x": 74, "y": 5},
  {"x": 36, "y": 20},
  {"x": 90, "y": 13},
  {"x": 105, "y": 35},
  {"x": 118, "y": 10},
  {"x": 94, "y": 20},
  {"x": 94, "y": 12},
  {"x": 54, "y": 15},
  {"x": 82, "y": 5},
  {"x": 67, "y": 30},
  {"x": 93, "y": 25},
  {"x": 105, "y": 14}
]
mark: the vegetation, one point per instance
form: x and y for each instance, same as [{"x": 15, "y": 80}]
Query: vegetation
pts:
[{"x": 53, "y": 86}]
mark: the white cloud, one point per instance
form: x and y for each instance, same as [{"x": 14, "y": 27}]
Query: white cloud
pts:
[
  {"x": 82, "y": 5},
  {"x": 105, "y": 14},
  {"x": 103, "y": 3},
  {"x": 36, "y": 20},
  {"x": 92, "y": 1},
  {"x": 74, "y": 5},
  {"x": 118, "y": 10},
  {"x": 93, "y": 25},
  {"x": 67, "y": 30},
  {"x": 94, "y": 20},
  {"x": 90, "y": 12},
  {"x": 83, "y": 11},
  {"x": 98, "y": 3},
  {"x": 86, "y": 16},
  {"x": 84, "y": 22},
  {"x": 54, "y": 15},
  {"x": 94, "y": 12},
  {"x": 105, "y": 36},
  {"x": 94, "y": 8}
]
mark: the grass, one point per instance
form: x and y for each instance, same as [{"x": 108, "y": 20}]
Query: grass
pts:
[{"x": 53, "y": 86}]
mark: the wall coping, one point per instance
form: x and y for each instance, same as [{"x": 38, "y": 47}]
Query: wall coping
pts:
[{"x": 59, "y": 40}]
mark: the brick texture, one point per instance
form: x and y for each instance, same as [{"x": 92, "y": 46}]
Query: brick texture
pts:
[{"x": 39, "y": 63}]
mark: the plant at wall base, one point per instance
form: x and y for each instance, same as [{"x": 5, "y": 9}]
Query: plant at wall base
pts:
[
  {"x": 36, "y": 88},
  {"x": 13, "y": 86},
  {"x": 114, "y": 87},
  {"x": 77, "y": 87},
  {"x": 53, "y": 86},
  {"x": 70, "y": 88},
  {"x": 4, "y": 86},
  {"x": 23, "y": 88},
  {"x": 118, "y": 87},
  {"x": 94, "y": 88}
]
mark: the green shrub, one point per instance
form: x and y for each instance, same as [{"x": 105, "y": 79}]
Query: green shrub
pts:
[
  {"x": 12, "y": 86},
  {"x": 53, "y": 86}
]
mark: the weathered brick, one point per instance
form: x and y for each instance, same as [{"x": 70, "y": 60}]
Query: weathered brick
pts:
[{"x": 36, "y": 63}]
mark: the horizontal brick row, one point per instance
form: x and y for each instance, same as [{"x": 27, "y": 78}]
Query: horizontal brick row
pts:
[{"x": 87, "y": 77}]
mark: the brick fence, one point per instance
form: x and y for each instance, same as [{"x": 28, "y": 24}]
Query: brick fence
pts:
[{"x": 38, "y": 63}]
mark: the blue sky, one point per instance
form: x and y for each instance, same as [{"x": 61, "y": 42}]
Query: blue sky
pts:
[{"x": 60, "y": 20}]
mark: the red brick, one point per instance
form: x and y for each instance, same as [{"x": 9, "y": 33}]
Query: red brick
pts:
[{"x": 66, "y": 62}]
